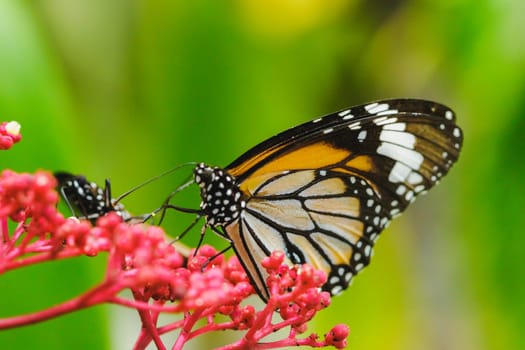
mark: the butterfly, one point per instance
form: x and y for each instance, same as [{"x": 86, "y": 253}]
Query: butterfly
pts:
[
  {"x": 85, "y": 199},
  {"x": 324, "y": 190}
]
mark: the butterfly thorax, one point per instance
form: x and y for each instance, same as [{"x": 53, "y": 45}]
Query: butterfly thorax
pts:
[{"x": 221, "y": 198}]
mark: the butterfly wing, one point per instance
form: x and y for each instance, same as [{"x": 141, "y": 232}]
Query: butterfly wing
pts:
[{"x": 324, "y": 190}]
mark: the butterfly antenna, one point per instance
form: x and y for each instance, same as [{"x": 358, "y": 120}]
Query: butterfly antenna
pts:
[{"x": 155, "y": 178}]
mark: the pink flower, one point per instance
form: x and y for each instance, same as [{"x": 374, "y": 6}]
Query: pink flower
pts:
[
  {"x": 337, "y": 336},
  {"x": 9, "y": 134},
  {"x": 27, "y": 196}
]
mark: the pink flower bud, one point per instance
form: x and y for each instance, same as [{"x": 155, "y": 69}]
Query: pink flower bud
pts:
[{"x": 337, "y": 336}]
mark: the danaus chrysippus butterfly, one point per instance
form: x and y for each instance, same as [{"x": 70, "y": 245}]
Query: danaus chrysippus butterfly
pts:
[{"x": 324, "y": 190}]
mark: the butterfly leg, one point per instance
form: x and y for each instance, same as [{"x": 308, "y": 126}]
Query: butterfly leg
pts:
[
  {"x": 210, "y": 259},
  {"x": 201, "y": 239},
  {"x": 192, "y": 225},
  {"x": 217, "y": 231}
]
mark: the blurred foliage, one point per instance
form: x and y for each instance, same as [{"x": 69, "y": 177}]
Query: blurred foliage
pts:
[{"x": 127, "y": 89}]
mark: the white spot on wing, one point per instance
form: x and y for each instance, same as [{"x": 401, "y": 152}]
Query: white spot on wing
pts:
[
  {"x": 404, "y": 139},
  {"x": 375, "y": 107},
  {"x": 379, "y": 120},
  {"x": 368, "y": 250},
  {"x": 362, "y": 136},
  {"x": 400, "y": 190},
  {"x": 385, "y": 121},
  {"x": 399, "y": 173},
  {"x": 414, "y": 178},
  {"x": 394, "y": 212},
  {"x": 348, "y": 277},
  {"x": 355, "y": 126},
  {"x": 407, "y": 156},
  {"x": 388, "y": 112},
  {"x": 419, "y": 188},
  {"x": 396, "y": 127}
]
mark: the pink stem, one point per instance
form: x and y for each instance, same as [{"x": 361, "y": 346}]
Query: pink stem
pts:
[
  {"x": 148, "y": 328},
  {"x": 262, "y": 320},
  {"x": 10, "y": 241},
  {"x": 189, "y": 322},
  {"x": 170, "y": 327},
  {"x": 4, "y": 230},
  {"x": 19, "y": 231},
  {"x": 142, "y": 305},
  {"x": 212, "y": 327},
  {"x": 291, "y": 342}
]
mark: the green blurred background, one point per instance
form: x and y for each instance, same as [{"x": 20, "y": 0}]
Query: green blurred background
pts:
[{"x": 128, "y": 89}]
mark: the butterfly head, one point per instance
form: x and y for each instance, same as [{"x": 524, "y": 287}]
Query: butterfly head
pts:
[{"x": 221, "y": 198}]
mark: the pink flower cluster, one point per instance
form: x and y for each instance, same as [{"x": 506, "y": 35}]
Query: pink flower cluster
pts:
[
  {"x": 200, "y": 287},
  {"x": 9, "y": 134},
  {"x": 32, "y": 199}
]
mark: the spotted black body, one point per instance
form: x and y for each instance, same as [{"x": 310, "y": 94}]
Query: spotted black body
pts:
[{"x": 86, "y": 199}]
